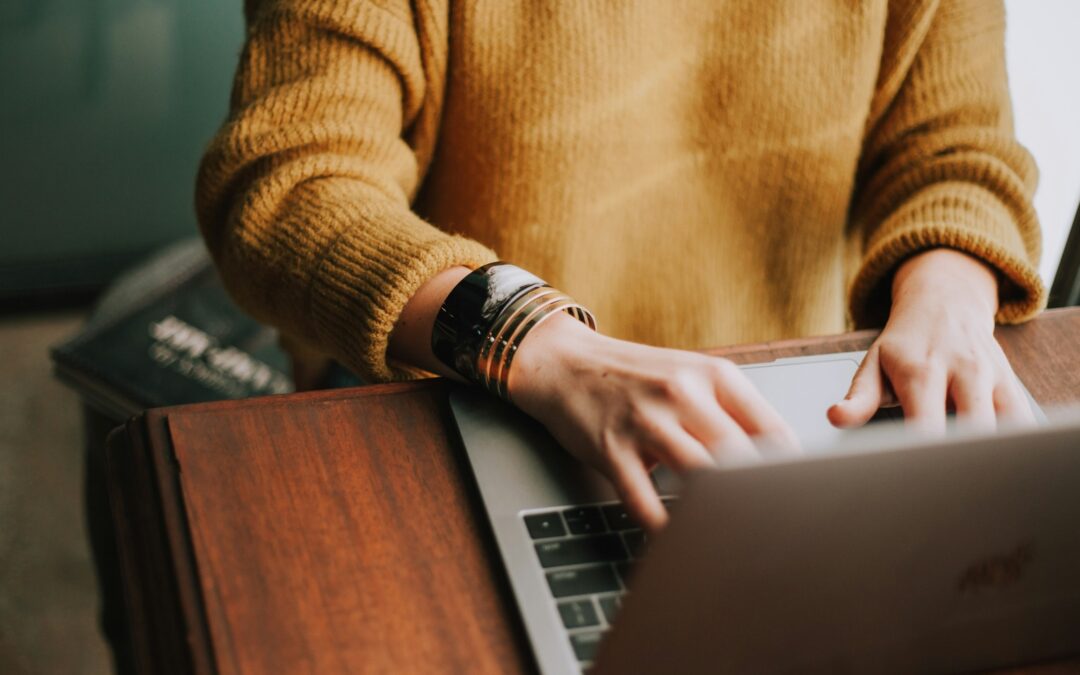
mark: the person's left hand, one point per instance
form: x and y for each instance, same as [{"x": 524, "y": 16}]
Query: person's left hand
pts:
[{"x": 937, "y": 350}]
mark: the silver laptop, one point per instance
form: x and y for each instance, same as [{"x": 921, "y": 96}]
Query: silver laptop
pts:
[{"x": 570, "y": 549}]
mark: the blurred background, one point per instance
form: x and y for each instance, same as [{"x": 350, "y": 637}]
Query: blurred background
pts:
[
  {"x": 1046, "y": 100},
  {"x": 107, "y": 105}
]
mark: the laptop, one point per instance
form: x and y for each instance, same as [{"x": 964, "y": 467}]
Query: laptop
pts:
[
  {"x": 570, "y": 549},
  {"x": 892, "y": 556}
]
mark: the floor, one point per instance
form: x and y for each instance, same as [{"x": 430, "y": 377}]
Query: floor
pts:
[{"x": 48, "y": 597}]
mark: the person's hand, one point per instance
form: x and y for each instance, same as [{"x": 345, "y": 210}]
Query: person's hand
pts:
[
  {"x": 937, "y": 350},
  {"x": 622, "y": 407},
  {"x": 618, "y": 406}
]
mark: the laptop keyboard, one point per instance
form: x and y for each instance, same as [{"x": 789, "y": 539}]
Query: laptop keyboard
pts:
[{"x": 587, "y": 555}]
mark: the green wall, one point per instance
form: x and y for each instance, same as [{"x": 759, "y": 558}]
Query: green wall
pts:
[{"x": 105, "y": 106}]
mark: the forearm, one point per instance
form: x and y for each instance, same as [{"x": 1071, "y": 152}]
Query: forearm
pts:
[
  {"x": 304, "y": 194},
  {"x": 941, "y": 166},
  {"x": 410, "y": 341}
]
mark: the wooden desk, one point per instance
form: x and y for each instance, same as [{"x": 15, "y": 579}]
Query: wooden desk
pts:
[{"x": 340, "y": 531}]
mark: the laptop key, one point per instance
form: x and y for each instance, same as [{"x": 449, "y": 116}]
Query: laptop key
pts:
[
  {"x": 582, "y": 581},
  {"x": 609, "y": 605},
  {"x": 618, "y": 518},
  {"x": 543, "y": 525},
  {"x": 625, "y": 571},
  {"x": 586, "y": 644},
  {"x": 584, "y": 520},
  {"x": 582, "y": 550},
  {"x": 635, "y": 542},
  {"x": 578, "y": 614}
]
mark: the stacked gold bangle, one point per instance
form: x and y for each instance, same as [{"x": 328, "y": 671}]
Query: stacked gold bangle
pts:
[
  {"x": 484, "y": 319},
  {"x": 510, "y": 327}
]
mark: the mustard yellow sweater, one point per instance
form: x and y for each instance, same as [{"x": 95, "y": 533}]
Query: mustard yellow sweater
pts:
[{"x": 697, "y": 173}]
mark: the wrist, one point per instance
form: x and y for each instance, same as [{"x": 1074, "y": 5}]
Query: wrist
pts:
[
  {"x": 946, "y": 275},
  {"x": 547, "y": 353}
]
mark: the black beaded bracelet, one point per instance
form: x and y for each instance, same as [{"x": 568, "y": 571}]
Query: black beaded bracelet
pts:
[{"x": 471, "y": 309}]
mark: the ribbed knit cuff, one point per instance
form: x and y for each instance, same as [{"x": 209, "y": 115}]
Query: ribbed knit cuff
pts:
[
  {"x": 364, "y": 283},
  {"x": 960, "y": 216}
]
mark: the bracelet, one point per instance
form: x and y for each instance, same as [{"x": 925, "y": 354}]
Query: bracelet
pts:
[
  {"x": 485, "y": 318},
  {"x": 513, "y": 329},
  {"x": 469, "y": 310}
]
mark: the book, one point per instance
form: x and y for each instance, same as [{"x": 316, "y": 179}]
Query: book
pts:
[{"x": 167, "y": 333}]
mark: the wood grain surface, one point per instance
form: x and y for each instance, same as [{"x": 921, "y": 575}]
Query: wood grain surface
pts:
[{"x": 340, "y": 531}]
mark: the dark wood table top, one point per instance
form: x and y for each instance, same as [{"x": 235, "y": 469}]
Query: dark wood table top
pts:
[{"x": 340, "y": 531}]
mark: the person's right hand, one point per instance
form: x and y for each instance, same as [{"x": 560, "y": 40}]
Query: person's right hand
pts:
[{"x": 622, "y": 407}]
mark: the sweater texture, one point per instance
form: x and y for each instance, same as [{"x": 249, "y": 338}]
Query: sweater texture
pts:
[{"x": 696, "y": 173}]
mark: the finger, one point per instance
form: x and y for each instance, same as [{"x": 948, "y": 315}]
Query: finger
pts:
[
  {"x": 1011, "y": 403},
  {"x": 748, "y": 409},
  {"x": 921, "y": 390},
  {"x": 736, "y": 454},
  {"x": 732, "y": 445},
  {"x": 865, "y": 396},
  {"x": 716, "y": 431},
  {"x": 973, "y": 397},
  {"x": 675, "y": 447},
  {"x": 637, "y": 492}
]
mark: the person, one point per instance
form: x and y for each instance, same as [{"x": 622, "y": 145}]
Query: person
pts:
[{"x": 696, "y": 174}]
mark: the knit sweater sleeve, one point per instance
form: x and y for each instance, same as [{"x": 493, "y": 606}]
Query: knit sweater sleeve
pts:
[
  {"x": 303, "y": 197},
  {"x": 940, "y": 165}
]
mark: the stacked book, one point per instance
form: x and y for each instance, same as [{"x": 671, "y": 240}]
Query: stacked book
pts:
[{"x": 167, "y": 333}]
